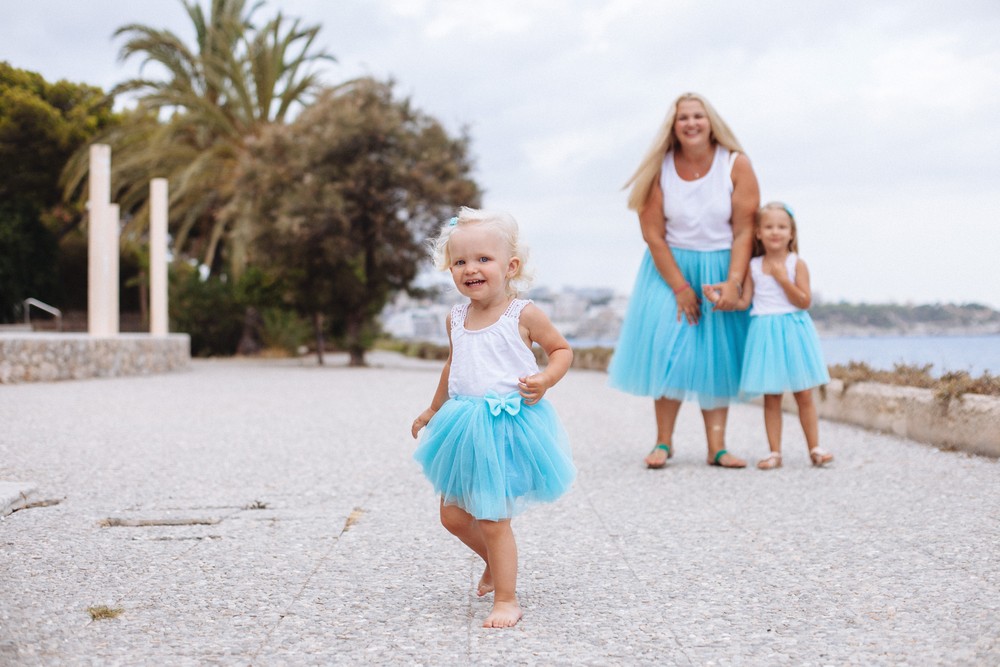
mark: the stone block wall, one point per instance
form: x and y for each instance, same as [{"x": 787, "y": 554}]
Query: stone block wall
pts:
[{"x": 47, "y": 357}]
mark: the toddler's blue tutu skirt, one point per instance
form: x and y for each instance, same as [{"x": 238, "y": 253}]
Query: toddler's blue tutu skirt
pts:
[
  {"x": 782, "y": 354},
  {"x": 660, "y": 357},
  {"x": 495, "y": 465}
]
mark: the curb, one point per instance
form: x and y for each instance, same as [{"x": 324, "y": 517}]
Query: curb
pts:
[{"x": 14, "y": 496}]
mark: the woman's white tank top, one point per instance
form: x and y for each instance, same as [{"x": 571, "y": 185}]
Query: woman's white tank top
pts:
[
  {"x": 699, "y": 213},
  {"x": 769, "y": 296},
  {"x": 491, "y": 358}
]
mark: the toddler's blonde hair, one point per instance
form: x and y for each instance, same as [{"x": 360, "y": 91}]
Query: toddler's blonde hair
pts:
[
  {"x": 793, "y": 244},
  {"x": 503, "y": 224}
]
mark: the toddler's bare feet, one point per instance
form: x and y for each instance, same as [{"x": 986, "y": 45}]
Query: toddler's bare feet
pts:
[
  {"x": 485, "y": 586},
  {"x": 504, "y": 615}
]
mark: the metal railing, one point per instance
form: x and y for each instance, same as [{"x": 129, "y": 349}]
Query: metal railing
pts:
[{"x": 51, "y": 310}]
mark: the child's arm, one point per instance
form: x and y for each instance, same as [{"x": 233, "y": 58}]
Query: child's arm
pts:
[
  {"x": 798, "y": 292},
  {"x": 440, "y": 395},
  {"x": 537, "y": 327}
]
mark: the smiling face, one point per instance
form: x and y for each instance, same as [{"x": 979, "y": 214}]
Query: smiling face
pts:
[
  {"x": 691, "y": 125},
  {"x": 480, "y": 263},
  {"x": 775, "y": 231}
]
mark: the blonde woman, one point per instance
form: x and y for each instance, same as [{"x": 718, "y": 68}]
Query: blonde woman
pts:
[{"x": 696, "y": 195}]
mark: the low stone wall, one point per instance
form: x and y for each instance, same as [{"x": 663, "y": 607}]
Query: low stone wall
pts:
[
  {"x": 970, "y": 423},
  {"x": 46, "y": 357}
]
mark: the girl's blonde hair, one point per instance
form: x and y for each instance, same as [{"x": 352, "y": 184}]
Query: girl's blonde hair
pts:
[
  {"x": 503, "y": 224},
  {"x": 793, "y": 243},
  {"x": 649, "y": 169}
]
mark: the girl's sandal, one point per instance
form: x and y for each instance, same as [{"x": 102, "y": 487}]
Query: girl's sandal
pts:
[
  {"x": 656, "y": 463},
  {"x": 819, "y": 457},
  {"x": 772, "y": 461}
]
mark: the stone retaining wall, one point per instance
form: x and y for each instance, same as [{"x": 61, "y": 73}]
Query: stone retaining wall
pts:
[
  {"x": 970, "y": 423},
  {"x": 45, "y": 357}
]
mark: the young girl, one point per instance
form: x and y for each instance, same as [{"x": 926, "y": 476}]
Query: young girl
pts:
[
  {"x": 492, "y": 443},
  {"x": 782, "y": 349}
]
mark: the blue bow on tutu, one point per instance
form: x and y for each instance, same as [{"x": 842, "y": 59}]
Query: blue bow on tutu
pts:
[{"x": 511, "y": 403}]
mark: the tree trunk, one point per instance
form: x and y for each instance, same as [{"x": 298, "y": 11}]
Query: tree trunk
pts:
[
  {"x": 318, "y": 327},
  {"x": 355, "y": 346}
]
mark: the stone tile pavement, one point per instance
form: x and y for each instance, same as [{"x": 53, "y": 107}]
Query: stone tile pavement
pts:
[{"x": 252, "y": 512}]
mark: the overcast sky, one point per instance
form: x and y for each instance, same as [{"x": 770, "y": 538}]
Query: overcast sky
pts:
[{"x": 877, "y": 121}]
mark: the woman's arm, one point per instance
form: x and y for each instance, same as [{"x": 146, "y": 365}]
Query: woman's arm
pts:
[
  {"x": 536, "y": 327},
  {"x": 653, "y": 233},
  {"x": 746, "y": 201}
]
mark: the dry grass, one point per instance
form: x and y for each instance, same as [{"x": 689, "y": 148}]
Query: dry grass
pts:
[
  {"x": 950, "y": 385},
  {"x": 101, "y": 612}
]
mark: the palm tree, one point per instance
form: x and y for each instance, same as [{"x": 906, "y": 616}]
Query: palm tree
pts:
[{"x": 193, "y": 124}]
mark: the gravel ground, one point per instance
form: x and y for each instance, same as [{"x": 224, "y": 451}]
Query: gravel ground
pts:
[{"x": 253, "y": 512}]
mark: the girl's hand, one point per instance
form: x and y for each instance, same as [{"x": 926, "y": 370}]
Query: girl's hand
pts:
[
  {"x": 421, "y": 421},
  {"x": 712, "y": 292},
  {"x": 777, "y": 270},
  {"x": 729, "y": 296},
  {"x": 688, "y": 306},
  {"x": 533, "y": 387}
]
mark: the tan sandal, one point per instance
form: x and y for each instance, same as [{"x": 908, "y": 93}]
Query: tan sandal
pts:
[
  {"x": 819, "y": 457},
  {"x": 772, "y": 461},
  {"x": 655, "y": 465}
]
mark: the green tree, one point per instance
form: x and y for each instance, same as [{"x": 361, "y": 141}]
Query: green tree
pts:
[
  {"x": 353, "y": 186},
  {"x": 214, "y": 97},
  {"x": 41, "y": 125}
]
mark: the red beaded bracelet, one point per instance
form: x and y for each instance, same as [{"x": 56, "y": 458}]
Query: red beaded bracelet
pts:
[{"x": 681, "y": 289}]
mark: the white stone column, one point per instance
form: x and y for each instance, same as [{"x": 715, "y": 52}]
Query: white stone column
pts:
[
  {"x": 113, "y": 244},
  {"x": 158, "y": 319},
  {"x": 98, "y": 251}
]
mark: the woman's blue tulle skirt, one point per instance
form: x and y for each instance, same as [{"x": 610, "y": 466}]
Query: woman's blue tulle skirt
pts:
[
  {"x": 782, "y": 354},
  {"x": 493, "y": 466},
  {"x": 660, "y": 357}
]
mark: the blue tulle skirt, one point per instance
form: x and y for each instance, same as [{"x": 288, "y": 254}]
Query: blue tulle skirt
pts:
[
  {"x": 660, "y": 357},
  {"x": 782, "y": 354},
  {"x": 492, "y": 463}
]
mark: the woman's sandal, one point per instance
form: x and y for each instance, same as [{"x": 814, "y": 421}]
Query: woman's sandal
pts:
[
  {"x": 819, "y": 457},
  {"x": 772, "y": 461},
  {"x": 654, "y": 465},
  {"x": 717, "y": 460}
]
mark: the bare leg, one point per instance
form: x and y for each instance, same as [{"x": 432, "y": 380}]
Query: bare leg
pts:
[
  {"x": 715, "y": 434},
  {"x": 810, "y": 427},
  {"x": 772, "y": 426},
  {"x": 666, "y": 416},
  {"x": 464, "y": 526},
  {"x": 502, "y": 550}
]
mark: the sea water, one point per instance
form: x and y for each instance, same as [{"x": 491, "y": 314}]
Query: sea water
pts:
[{"x": 974, "y": 354}]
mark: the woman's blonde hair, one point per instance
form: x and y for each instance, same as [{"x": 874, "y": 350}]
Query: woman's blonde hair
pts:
[
  {"x": 505, "y": 227},
  {"x": 642, "y": 180},
  {"x": 793, "y": 243}
]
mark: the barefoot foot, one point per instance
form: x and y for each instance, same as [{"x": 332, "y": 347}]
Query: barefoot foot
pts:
[
  {"x": 503, "y": 615},
  {"x": 485, "y": 586}
]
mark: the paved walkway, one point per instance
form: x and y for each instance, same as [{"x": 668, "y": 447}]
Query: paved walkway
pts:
[{"x": 304, "y": 534}]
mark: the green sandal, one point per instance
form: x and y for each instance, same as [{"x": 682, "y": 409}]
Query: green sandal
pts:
[
  {"x": 718, "y": 455},
  {"x": 665, "y": 447}
]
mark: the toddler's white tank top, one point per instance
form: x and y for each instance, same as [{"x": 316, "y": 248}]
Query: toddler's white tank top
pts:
[
  {"x": 491, "y": 358},
  {"x": 769, "y": 296},
  {"x": 699, "y": 212}
]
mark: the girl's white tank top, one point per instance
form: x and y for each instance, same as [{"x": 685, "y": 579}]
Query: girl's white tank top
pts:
[
  {"x": 769, "y": 296},
  {"x": 491, "y": 358},
  {"x": 699, "y": 213}
]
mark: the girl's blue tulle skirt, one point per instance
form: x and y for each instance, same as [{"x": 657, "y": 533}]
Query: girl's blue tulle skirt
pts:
[
  {"x": 660, "y": 357},
  {"x": 782, "y": 354},
  {"x": 493, "y": 457}
]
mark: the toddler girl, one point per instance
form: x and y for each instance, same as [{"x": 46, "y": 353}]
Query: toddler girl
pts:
[
  {"x": 782, "y": 349},
  {"x": 493, "y": 444}
]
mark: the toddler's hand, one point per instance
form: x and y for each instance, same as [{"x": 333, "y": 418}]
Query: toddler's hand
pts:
[
  {"x": 777, "y": 270},
  {"x": 533, "y": 387},
  {"x": 712, "y": 292},
  {"x": 421, "y": 422}
]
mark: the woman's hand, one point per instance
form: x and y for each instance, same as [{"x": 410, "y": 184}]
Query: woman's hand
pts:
[
  {"x": 421, "y": 421},
  {"x": 533, "y": 387},
  {"x": 688, "y": 305},
  {"x": 729, "y": 296}
]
